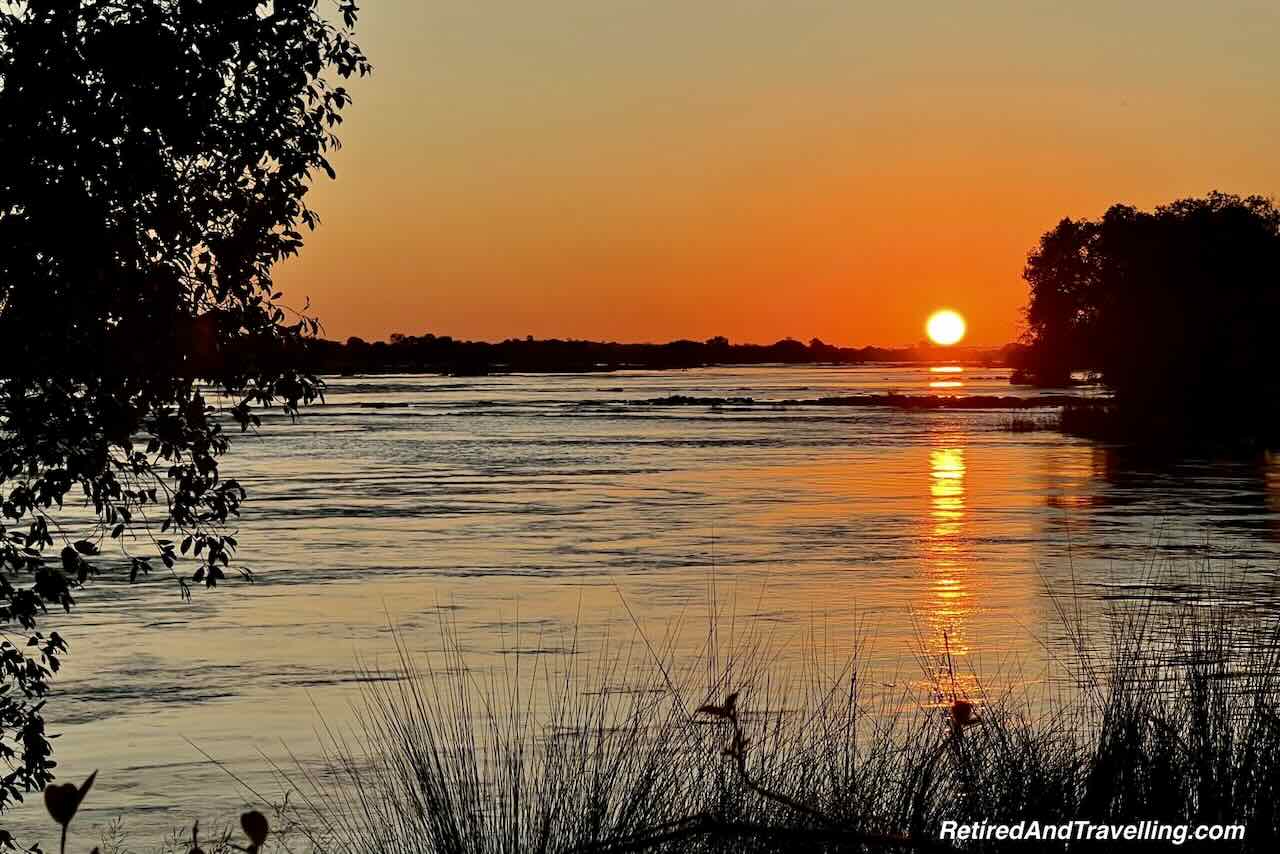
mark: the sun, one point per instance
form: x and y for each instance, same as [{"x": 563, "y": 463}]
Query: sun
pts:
[{"x": 945, "y": 327}]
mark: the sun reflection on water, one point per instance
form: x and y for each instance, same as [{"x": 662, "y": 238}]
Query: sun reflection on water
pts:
[
  {"x": 950, "y": 371},
  {"x": 1271, "y": 481},
  {"x": 948, "y": 603}
]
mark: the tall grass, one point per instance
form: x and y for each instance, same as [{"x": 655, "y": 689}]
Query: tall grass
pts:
[{"x": 1172, "y": 718}]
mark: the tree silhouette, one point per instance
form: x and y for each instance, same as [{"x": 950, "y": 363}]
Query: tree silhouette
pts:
[
  {"x": 1176, "y": 309},
  {"x": 155, "y": 158}
]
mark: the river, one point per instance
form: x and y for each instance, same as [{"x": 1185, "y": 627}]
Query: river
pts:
[{"x": 526, "y": 507}]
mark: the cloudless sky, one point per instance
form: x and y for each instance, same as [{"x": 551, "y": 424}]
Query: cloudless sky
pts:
[{"x": 653, "y": 169}]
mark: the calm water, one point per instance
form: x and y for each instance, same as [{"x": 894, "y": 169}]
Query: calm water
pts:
[{"x": 548, "y": 499}]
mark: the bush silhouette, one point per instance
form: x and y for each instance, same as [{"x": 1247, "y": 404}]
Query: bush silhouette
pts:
[
  {"x": 1175, "y": 309},
  {"x": 156, "y": 155}
]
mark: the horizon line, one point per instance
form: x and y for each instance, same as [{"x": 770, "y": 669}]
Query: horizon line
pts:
[{"x": 920, "y": 345}]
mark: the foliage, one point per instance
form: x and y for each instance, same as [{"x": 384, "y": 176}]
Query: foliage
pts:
[
  {"x": 1174, "y": 308},
  {"x": 156, "y": 154}
]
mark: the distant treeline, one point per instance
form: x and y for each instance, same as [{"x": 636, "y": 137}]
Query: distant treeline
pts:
[{"x": 443, "y": 354}]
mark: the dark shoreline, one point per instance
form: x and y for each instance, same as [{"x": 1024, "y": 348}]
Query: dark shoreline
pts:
[{"x": 446, "y": 355}]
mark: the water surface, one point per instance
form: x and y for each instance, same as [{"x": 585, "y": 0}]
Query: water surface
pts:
[{"x": 547, "y": 501}]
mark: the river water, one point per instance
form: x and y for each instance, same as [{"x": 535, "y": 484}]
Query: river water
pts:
[{"x": 556, "y": 502}]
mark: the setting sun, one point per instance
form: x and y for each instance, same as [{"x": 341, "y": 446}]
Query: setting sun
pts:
[{"x": 945, "y": 327}]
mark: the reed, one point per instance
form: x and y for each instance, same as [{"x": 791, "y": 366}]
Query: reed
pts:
[{"x": 1172, "y": 716}]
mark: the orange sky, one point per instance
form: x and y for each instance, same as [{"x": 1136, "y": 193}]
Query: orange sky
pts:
[{"x": 654, "y": 169}]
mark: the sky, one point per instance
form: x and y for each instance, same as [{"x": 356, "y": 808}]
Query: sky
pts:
[{"x": 645, "y": 170}]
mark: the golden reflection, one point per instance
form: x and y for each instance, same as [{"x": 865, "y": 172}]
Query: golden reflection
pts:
[
  {"x": 946, "y": 468},
  {"x": 948, "y": 602},
  {"x": 1271, "y": 486},
  {"x": 1070, "y": 477},
  {"x": 1271, "y": 476},
  {"x": 952, "y": 370}
]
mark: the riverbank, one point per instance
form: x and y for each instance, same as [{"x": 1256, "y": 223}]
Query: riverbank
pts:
[{"x": 430, "y": 353}]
